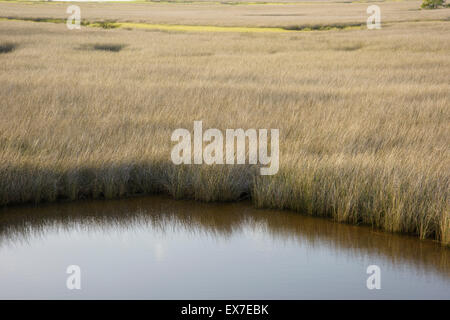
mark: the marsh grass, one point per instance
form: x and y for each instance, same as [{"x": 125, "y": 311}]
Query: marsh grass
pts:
[
  {"x": 349, "y": 46},
  {"x": 317, "y": 16},
  {"x": 363, "y": 118}
]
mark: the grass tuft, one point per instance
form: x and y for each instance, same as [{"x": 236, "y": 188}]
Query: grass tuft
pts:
[{"x": 320, "y": 27}]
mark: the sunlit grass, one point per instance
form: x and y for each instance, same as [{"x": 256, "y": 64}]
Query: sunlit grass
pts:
[{"x": 363, "y": 116}]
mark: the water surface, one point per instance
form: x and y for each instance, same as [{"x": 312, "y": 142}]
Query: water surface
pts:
[{"x": 158, "y": 248}]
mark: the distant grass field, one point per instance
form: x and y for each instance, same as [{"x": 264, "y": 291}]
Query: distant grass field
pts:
[
  {"x": 363, "y": 114},
  {"x": 222, "y": 14}
]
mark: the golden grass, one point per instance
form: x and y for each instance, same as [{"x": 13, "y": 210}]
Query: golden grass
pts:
[
  {"x": 363, "y": 116},
  {"x": 190, "y": 28},
  {"x": 223, "y": 15}
]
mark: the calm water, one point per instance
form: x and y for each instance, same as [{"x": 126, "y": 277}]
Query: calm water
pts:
[{"x": 157, "y": 248}]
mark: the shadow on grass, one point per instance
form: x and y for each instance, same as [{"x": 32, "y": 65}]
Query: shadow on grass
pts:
[
  {"x": 7, "y": 47},
  {"x": 323, "y": 27},
  {"x": 349, "y": 47},
  {"x": 112, "y": 47}
]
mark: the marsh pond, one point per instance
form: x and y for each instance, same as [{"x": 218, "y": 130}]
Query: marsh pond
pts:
[{"x": 159, "y": 248}]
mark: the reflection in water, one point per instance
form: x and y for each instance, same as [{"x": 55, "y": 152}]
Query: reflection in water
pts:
[{"x": 23, "y": 225}]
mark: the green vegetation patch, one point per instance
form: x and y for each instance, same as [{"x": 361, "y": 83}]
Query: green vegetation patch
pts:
[
  {"x": 433, "y": 4},
  {"x": 108, "y": 24},
  {"x": 323, "y": 27}
]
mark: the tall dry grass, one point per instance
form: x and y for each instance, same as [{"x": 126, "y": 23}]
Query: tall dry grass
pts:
[{"x": 363, "y": 118}]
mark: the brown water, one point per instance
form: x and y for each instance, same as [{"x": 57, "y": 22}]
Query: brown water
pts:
[{"x": 157, "y": 248}]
